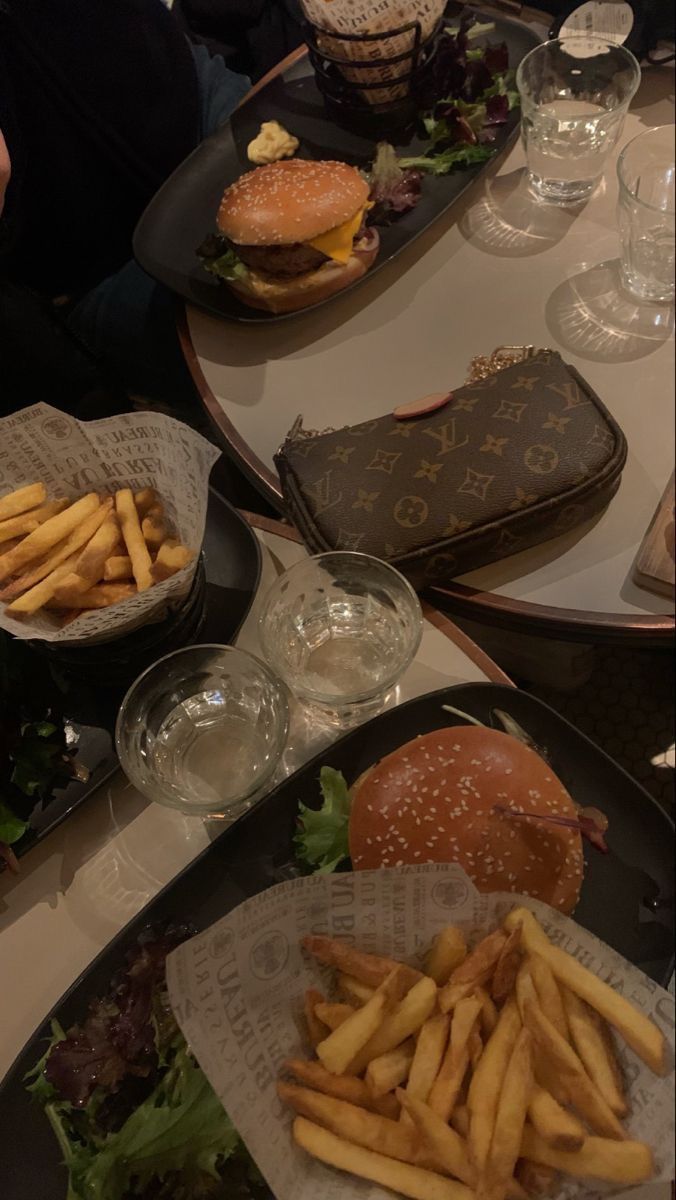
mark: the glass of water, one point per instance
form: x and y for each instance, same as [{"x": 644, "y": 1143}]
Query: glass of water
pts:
[
  {"x": 647, "y": 178},
  {"x": 203, "y": 730},
  {"x": 340, "y": 629},
  {"x": 575, "y": 92}
]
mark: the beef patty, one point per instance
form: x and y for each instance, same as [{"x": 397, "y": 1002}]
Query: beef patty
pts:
[{"x": 282, "y": 261}]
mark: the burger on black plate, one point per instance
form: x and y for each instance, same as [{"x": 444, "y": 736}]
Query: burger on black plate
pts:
[{"x": 292, "y": 233}]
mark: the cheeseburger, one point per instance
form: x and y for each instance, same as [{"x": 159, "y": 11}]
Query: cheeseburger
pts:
[
  {"x": 294, "y": 233},
  {"x": 465, "y": 794}
]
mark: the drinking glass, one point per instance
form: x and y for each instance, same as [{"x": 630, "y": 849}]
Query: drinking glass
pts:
[
  {"x": 647, "y": 176},
  {"x": 340, "y": 629},
  {"x": 203, "y": 730},
  {"x": 575, "y": 92}
]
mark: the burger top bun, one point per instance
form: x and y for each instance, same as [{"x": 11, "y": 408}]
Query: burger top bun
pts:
[
  {"x": 433, "y": 800},
  {"x": 290, "y": 201}
]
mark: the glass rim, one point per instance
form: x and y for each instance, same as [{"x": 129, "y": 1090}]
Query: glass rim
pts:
[
  {"x": 321, "y": 698},
  {"x": 162, "y": 795},
  {"x": 624, "y": 186},
  {"x": 630, "y": 59}
]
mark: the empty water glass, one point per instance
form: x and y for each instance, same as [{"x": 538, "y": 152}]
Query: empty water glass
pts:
[
  {"x": 646, "y": 214},
  {"x": 575, "y": 92},
  {"x": 340, "y": 629}
]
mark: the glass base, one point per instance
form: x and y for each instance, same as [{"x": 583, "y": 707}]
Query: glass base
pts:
[
  {"x": 561, "y": 191},
  {"x": 656, "y": 290}
]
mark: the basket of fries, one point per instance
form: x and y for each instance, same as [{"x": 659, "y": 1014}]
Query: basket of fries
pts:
[
  {"x": 101, "y": 525},
  {"x": 370, "y": 61},
  {"x": 396, "y": 1033}
]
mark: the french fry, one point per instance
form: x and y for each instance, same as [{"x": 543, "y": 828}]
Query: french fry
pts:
[
  {"x": 638, "y": 1031},
  {"x": 355, "y": 992},
  {"x": 486, "y": 1084},
  {"x": 21, "y": 500},
  {"x": 553, "y": 1122},
  {"x": 102, "y": 595},
  {"x": 63, "y": 550},
  {"x": 388, "y": 1070},
  {"x": 116, "y": 567},
  {"x": 510, "y": 1119},
  {"x": 316, "y": 1029},
  {"x": 27, "y": 522},
  {"x": 343, "y": 1087},
  {"x": 489, "y": 1013},
  {"x": 445, "y": 1090},
  {"x": 475, "y": 1047},
  {"x": 9, "y": 545},
  {"x": 624, "y": 1163},
  {"x": 525, "y": 988},
  {"x": 338, "y": 1050},
  {"x": 46, "y": 536},
  {"x": 453, "y": 993},
  {"x": 445, "y": 1145},
  {"x": 596, "y": 1051},
  {"x": 40, "y": 595},
  {"x": 507, "y": 966},
  {"x": 144, "y": 499},
  {"x": 460, "y": 1120},
  {"x": 133, "y": 538},
  {"x": 447, "y": 952},
  {"x": 476, "y": 969},
  {"x": 535, "y": 1178},
  {"x": 363, "y": 1128},
  {"x": 172, "y": 556},
  {"x": 405, "y": 1020},
  {"x": 368, "y": 968},
  {"x": 89, "y": 566},
  {"x": 549, "y": 994},
  {"x": 333, "y": 1015},
  {"x": 428, "y": 1057},
  {"x": 584, "y": 1094},
  {"x": 154, "y": 527},
  {"x": 407, "y": 1180}
]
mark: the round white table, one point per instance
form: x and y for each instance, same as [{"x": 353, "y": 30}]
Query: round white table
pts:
[{"x": 497, "y": 269}]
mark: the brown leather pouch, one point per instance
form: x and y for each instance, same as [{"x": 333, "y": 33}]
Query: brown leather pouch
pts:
[{"x": 511, "y": 460}]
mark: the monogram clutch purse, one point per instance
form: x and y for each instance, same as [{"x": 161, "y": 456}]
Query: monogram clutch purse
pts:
[{"x": 523, "y": 452}]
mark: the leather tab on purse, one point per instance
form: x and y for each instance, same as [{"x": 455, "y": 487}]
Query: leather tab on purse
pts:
[{"x": 514, "y": 458}]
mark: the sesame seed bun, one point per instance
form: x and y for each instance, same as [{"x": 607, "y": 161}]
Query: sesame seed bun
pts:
[
  {"x": 433, "y": 799},
  {"x": 290, "y": 201},
  {"x": 302, "y": 291}
]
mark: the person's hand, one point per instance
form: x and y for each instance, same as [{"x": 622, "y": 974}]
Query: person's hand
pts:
[{"x": 5, "y": 170}]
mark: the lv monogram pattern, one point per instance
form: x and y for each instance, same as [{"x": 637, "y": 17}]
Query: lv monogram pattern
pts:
[{"x": 507, "y": 456}]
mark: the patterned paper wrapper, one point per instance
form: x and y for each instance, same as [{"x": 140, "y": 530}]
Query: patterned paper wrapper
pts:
[
  {"x": 237, "y": 993},
  {"x": 361, "y": 17},
  {"x": 40, "y": 444}
]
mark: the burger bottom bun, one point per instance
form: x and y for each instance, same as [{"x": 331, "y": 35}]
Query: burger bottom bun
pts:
[{"x": 290, "y": 295}]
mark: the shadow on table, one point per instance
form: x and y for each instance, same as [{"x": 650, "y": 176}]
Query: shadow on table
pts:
[
  {"x": 508, "y": 222},
  {"x": 592, "y": 315}
]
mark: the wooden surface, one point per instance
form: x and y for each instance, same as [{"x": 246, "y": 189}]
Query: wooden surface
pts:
[{"x": 654, "y": 568}]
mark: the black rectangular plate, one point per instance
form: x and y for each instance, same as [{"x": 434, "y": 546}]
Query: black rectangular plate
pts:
[
  {"x": 184, "y": 210},
  {"x": 256, "y": 853},
  {"x": 232, "y": 563}
]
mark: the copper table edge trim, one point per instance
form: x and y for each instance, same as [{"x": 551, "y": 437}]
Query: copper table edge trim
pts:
[
  {"x": 431, "y": 614},
  {"x": 568, "y": 621}
]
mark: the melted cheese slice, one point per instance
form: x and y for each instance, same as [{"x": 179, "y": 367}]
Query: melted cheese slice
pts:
[{"x": 337, "y": 243}]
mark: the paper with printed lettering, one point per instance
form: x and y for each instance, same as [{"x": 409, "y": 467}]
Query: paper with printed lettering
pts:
[
  {"x": 41, "y": 444},
  {"x": 361, "y": 16},
  {"x": 237, "y": 993}
]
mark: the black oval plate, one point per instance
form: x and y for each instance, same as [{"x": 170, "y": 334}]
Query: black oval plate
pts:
[
  {"x": 184, "y": 210},
  {"x": 232, "y": 563},
  {"x": 257, "y": 852}
]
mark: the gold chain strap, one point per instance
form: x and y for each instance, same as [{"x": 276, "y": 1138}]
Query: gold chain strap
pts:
[{"x": 483, "y": 365}]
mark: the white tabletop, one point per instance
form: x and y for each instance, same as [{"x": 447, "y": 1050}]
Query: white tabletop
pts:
[
  {"x": 82, "y": 884},
  {"x": 497, "y": 270}
]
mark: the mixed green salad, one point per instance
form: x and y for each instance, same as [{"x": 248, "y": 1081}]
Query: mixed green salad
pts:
[{"x": 134, "y": 1115}]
